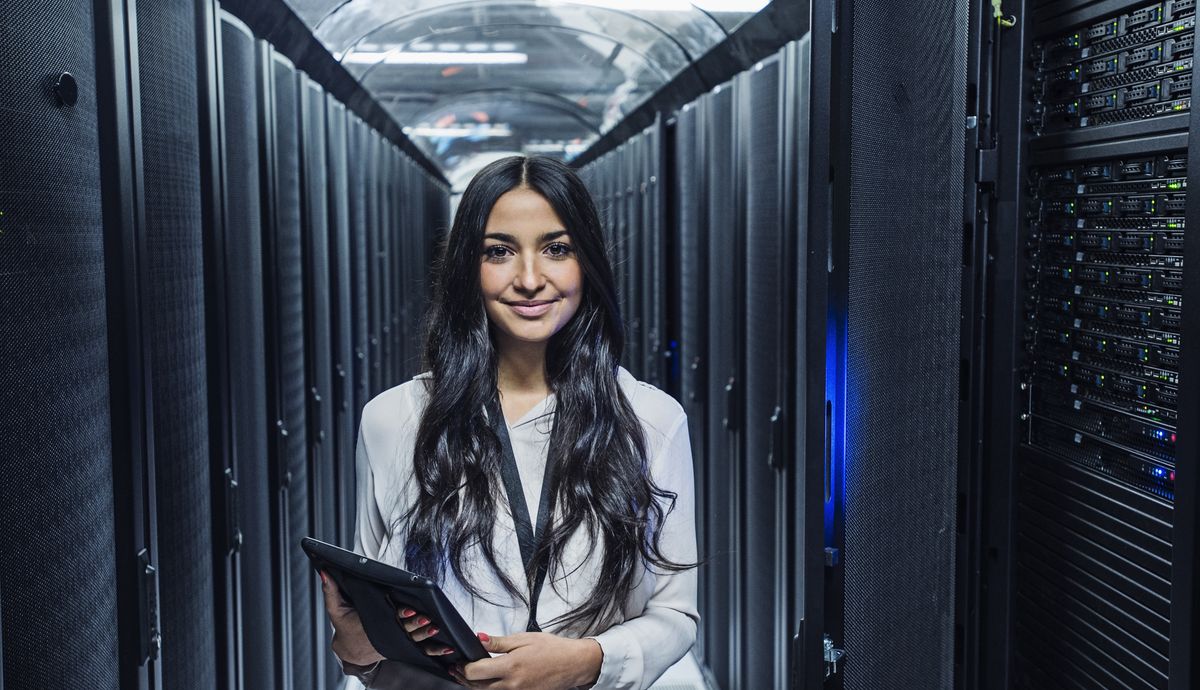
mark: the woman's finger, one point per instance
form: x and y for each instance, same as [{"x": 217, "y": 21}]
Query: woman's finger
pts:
[
  {"x": 423, "y": 633},
  {"x": 435, "y": 648},
  {"x": 414, "y": 623},
  {"x": 334, "y": 605}
]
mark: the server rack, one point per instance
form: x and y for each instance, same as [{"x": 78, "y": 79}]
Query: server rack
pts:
[
  {"x": 55, "y": 344},
  {"x": 1092, "y": 514},
  {"x": 238, "y": 376},
  {"x": 342, "y": 281},
  {"x": 118, "y": 106},
  {"x": 318, "y": 379},
  {"x": 164, "y": 35}
]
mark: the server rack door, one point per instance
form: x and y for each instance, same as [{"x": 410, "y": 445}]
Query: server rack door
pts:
[
  {"x": 239, "y": 279},
  {"x": 358, "y": 175},
  {"x": 341, "y": 280},
  {"x": 174, "y": 299},
  {"x": 285, "y": 320},
  {"x": 903, "y": 273},
  {"x": 317, "y": 346},
  {"x": 118, "y": 92},
  {"x": 54, "y": 341},
  {"x": 403, "y": 264},
  {"x": 689, "y": 291},
  {"x": 403, "y": 197},
  {"x": 635, "y": 256},
  {"x": 767, "y": 310},
  {"x": 723, "y": 378},
  {"x": 387, "y": 227},
  {"x": 802, "y": 512},
  {"x": 651, "y": 249},
  {"x": 375, "y": 224}
]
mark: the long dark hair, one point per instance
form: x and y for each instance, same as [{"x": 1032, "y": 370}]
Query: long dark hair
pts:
[{"x": 601, "y": 480}]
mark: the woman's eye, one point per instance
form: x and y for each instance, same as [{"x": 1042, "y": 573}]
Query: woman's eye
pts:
[
  {"x": 496, "y": 251},
  {"x": 559, "y": 249}
]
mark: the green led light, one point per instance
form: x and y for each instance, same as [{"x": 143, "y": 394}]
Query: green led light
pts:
[{"x": 1175, "y": 185}]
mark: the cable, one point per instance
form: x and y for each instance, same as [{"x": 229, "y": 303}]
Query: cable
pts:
[{"x": 1007, "y": 21}]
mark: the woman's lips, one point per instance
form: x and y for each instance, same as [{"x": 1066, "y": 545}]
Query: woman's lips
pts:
[{"x": 532, "y": 311}]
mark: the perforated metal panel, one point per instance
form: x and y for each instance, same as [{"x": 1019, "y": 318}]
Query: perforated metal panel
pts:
[
  {"x": 907, "y": 97},
  {"x": 689, "y": 291},
  {"x": 56, "y": 496},
  {"x": 357, "y": 172},
  {"x": 375, "y": 223},
  {"x": 174, "y": 301},
  {"x": 765, "y": 300},
  {"x": 318, "y": 348},
  {"x": 286, "y": 363},
  {"x": 723, "y": 325},
  {"x": 341, "y": 280},
  {"x": 246, "y": 358}
]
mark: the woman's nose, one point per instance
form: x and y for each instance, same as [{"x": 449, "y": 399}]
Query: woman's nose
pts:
[{"x": 529, "y": 275}]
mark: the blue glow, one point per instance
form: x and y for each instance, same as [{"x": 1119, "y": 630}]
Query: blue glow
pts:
[{"x": 835, "y": 373}]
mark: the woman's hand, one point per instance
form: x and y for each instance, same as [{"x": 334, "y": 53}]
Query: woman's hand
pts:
[
  {"x": 350, "y": 642},
  {"x": 420, "y": 628},
  {"x": 533, "y": 661}
]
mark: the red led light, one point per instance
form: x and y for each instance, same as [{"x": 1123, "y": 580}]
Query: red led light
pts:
[
  {"x": 1172, "y": 475},
  {"x": 1172, "y": 441}
]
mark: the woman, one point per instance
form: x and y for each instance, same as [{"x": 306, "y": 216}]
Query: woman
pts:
[{"x": 525, "y": 329}]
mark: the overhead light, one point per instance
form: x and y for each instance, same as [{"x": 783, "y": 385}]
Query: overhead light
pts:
[
  {"x": 435, "y": 58},
  {"x": 458, "y": 132},
  {"x": 554, "y": 147},
  {"x": 449, "y": 47},
  {"x": 476, "y": 47}
]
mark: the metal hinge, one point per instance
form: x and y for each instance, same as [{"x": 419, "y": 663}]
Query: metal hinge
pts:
[
  {"x": 833, "y": 657},
  {"x": 151, "y": 636}
]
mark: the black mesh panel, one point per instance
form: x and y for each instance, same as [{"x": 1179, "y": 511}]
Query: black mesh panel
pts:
[
  {"x": 341, "y": 279},
  {"x": 359, "y": 291},
  {"x": 56, "y": 495},
  {"x": 907, "y": 97},
  {"x": 689, "y": 291},
  {"x": 758, "y": 128},
  {"x": 721, "y": 331},
  {"x": 175, "y": 303},
  {"x": 244, "y": 313},
  {"x": 289, "y": 363}
]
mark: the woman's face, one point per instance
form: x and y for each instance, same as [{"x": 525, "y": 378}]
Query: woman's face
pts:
[{"x": 531, "y": 280}]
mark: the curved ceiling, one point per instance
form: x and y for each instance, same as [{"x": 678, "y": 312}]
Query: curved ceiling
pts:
[{"x": 474, "y": 79}]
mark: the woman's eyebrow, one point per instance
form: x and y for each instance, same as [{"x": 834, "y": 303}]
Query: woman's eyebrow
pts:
[{"x": 505, "y": 237}]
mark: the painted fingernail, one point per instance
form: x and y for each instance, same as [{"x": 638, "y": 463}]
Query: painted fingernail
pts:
[
  {"x": 483, "y": 637},
  {"x": 423, "y": 621},
  {"x": 407, "y": 612},
  {"x": 432, "y": 631},
  {"x": 447, "y": 650},
  {"x": 324, "y": 580}
]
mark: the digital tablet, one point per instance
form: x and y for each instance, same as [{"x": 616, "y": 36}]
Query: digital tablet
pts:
[{"x": 378, "y": 590}]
